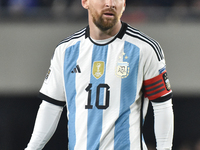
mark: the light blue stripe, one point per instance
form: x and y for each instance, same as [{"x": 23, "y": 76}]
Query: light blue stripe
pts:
[
  {"x": 70, "y": 62},
  {"x": 122, "y": 64},
  {"x": 95, "y": 115},
  {"x": 128, "y": 94}
]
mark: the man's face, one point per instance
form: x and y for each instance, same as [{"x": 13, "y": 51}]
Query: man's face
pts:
[{"x": 105, "y": 13}]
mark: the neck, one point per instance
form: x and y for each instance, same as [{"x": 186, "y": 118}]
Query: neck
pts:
[{"x": 98, "y": 34}]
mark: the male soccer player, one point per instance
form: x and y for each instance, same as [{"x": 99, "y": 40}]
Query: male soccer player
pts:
[{"x": 105, "y": 74}]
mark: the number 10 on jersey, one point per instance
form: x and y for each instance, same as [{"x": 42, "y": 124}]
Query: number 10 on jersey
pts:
[{"x": 98, "y": 90}]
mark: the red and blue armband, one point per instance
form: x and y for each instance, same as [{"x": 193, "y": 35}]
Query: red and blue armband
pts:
[{"x": 158, "y": 89}]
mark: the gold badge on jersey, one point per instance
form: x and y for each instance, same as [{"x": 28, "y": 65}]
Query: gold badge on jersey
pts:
[{"x": 98, "y": 69}]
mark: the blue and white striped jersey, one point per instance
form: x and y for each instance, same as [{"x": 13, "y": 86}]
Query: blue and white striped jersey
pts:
[{"x": 101, "y": 85}]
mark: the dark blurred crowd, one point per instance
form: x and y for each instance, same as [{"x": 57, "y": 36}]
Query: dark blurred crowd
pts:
[
  {"x": 49, "y": 3},
  {"x": 163, "y": 3},
  {"x": 32, "y": 3},
  {"x": 190, "y": 145},
  {"x": 27, "y": 3}
]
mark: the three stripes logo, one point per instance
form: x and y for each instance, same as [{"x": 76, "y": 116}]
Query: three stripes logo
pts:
[{"x": 76, "y": 70}]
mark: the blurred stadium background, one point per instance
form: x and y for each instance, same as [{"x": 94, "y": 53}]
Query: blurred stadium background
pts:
[{"x": 31, "y": 29}]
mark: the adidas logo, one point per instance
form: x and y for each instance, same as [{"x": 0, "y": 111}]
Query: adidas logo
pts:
[{"x": 76, "y": 70}]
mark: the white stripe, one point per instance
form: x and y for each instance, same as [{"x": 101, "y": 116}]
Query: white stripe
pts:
[
  {"x": 82, "y": 79},
  {"x": 135, "y": 126},
  {"x": 111, "y": 114}
]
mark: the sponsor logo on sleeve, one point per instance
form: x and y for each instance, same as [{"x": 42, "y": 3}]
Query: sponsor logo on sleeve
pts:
[
  {"x": 47, "y": 75},
  {"x": 162, "y": 70},
  {"x": 167, "y": 83}
]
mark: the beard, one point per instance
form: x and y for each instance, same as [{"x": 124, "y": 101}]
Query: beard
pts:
[{"x": 104, "y": 24}]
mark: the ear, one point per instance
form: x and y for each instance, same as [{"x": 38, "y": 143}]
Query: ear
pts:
[
  {"x": 124, "y": 5},
  {"x": 84, "y": 3}
]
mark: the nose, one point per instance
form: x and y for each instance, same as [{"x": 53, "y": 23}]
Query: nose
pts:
[{"x": 110, "y": 3}]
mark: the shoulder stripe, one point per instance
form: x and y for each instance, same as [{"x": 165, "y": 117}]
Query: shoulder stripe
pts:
[
  {"x": 74, "y": 36},
  {"x": 137, "y": 34}
]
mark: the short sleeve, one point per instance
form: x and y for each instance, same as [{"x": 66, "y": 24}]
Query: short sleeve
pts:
[
  {"x": 52, "y": 89},
  {"x": 156, "y": 82}
]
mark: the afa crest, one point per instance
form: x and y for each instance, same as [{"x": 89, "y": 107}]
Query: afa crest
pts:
[
  {"x": 122, "y": 69},
  {"x": 98, "y": 69}
]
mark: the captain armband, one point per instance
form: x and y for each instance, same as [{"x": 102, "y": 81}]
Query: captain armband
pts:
[{"x": 158, "y": 89}]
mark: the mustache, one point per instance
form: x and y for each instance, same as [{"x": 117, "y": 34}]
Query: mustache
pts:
[{"x": 109, "y": 10}]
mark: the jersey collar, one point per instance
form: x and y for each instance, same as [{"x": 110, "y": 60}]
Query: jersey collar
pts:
[{"x": 119, "y": 35}]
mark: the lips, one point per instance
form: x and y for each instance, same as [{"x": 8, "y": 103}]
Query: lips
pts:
[{"x": 108, "y": 14}]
